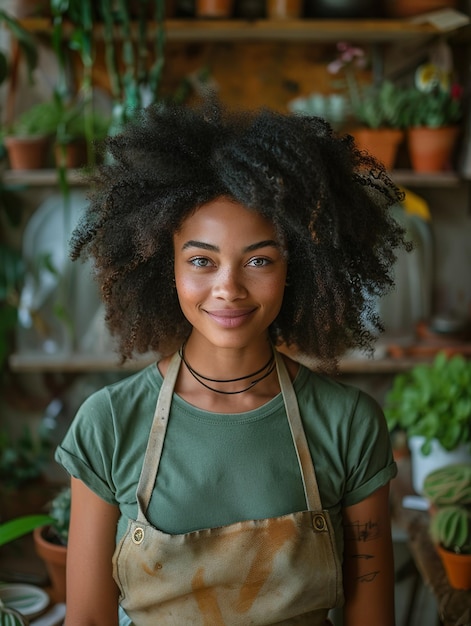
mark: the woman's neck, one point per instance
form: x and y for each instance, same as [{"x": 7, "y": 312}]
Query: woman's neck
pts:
[{"x": 227, "y": 380}]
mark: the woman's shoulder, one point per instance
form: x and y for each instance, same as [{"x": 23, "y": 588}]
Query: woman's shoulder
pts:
[
  {"x": 126, "y": 391},
  {"x": 334, "y": 395}
]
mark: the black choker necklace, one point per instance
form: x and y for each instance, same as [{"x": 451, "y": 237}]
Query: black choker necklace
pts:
[{"x": 269, "y": 366}]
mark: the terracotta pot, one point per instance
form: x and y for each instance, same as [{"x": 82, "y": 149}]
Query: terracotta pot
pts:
[
  {"x": 284, "y": 9},
  {"x": 382, "y": 143},
  {"x": 219, "y": 9},
  {"x": 409, "y": 8},
  {"x": 54, "y": 557},
  {"x": 432, "y": 149},
  {"x": 457, "y": 568},
  {"x": 27, "y": 153},
  {"x": 72, "y": 155}
]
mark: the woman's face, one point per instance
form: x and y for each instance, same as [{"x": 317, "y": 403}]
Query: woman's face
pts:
[{"x": 230, "y": 273}]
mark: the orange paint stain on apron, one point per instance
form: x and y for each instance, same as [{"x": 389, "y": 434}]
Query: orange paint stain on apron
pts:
[
  {"x": 206, "y": 600},
  {"x": 272, "y": 540}
]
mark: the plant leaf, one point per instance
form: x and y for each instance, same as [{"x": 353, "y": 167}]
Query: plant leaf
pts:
[{"x": 15, "y": 528}]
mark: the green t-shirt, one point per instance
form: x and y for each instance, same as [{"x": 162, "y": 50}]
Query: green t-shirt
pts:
[{"x": 217, "y": 469}]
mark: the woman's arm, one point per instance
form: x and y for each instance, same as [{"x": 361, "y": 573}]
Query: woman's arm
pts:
[
  {"x": 368, "y": 562},
  {"x": 92, "y": 594}
]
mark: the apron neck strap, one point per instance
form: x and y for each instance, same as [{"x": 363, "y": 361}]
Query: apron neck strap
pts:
[
  {"x": 308, "y": 474},
  {"x": 159, "y": 427}
]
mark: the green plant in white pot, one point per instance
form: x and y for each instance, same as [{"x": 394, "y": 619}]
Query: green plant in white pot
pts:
[{"x": 431, "y": 404}]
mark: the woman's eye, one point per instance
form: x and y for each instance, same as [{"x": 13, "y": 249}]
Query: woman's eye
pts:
[
  {"x": 258, "y": 262},
  {"x": 200, "y": 261}
]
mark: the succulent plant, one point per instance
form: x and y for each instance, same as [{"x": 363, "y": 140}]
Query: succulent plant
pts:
[
  {"x": 450, "y": 485},
  {"x": 450, "y": 527}
]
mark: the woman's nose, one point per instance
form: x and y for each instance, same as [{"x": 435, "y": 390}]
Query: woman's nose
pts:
[{"x": 229, "y": 284}]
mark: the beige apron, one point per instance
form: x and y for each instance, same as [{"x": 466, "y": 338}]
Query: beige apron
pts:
[{"x": 283, "y": 570}]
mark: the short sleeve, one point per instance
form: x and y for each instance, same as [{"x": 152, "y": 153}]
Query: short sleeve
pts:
[
  {"x": 86, "y": 451},
  {"x": 370, "y": 464}
]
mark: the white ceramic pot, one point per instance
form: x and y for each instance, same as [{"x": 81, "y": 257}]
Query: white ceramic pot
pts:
[{"x": 439, "y": 457}]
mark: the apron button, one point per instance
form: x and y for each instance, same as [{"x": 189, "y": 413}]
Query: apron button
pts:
[
  {"x": 319, "y": 523},
  {"x": 138, "y": 535}
]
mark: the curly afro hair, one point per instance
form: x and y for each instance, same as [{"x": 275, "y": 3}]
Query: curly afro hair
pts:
[{"x": 328, "y": 201}]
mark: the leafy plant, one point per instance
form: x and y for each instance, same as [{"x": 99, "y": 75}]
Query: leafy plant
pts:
[
  {"x": 433, "y": 108},
  {"x": 28, "y": 48},
  {"x": 11, "y": 276},
  {"x": 435, "y": 100},
  {"x": 383, "y": 106},
  {"x": 25, "y": 42},
  {"x": 16, "y": 528},
  {"x": 59, "y": 513},
  {"x": 433, "y": 401},
  {"x": 375, "y": 106},
  {"x": 22, "y": 458},
  {"x": 65, "y": 121}
]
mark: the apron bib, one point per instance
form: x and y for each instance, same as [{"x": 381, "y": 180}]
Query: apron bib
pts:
[{"x": 283, "y": 570}]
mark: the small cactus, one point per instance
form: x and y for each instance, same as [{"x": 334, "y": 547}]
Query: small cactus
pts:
[
  {"x": 450, "y": 527},
  {"x": 449, "y": 485}
]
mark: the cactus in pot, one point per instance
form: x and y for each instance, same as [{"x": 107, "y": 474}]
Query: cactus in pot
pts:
[{"x": 448, "y": 490}]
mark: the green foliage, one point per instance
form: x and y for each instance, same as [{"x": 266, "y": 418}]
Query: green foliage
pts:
[
  {"x": 449, "y": 485},
  {"x": 382, "y": 106},
  {"x": 62, "y": 120},
  {"x": 25, "y": 41},
  {"x": 450, "y": 527},
  {"x": 433, "y": 108},
  {"x": 433, "y": 401},
  {"x": 15, "y": 528},
  {"x": 22, "y": 458},
  {"x": 59, "y": 511},
  {"x": 11, "y": 277}
]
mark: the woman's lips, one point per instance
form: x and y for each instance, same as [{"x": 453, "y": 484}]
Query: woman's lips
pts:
[{"x": 230, "y": 318}]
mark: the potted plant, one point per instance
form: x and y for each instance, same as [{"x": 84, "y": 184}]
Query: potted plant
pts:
[
  {"x": 53, "y": 121},
  {"x": 10, "y": 531},
  {"x": 431, "y": 403},
  {"x": 378, "y": 122},
  {"x": 23, "y": 459},
  {"x": 77, "y": 124},
  {"x": 51, "y": 542},
  {"x": 448, "y": 490},
  {"x": 434, "y": 110},
  {"x": 22, "y": 42},
  {"x": 28, "y": 138}
]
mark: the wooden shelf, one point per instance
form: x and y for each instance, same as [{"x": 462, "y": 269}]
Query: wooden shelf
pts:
[
  {"x": 433, "y": 179},
  {"x": 315, "y": 30},
  {"x": 41, "y": 178},
  {"x": 49, "y": 178},
  {"x": 81, "y": 363}
]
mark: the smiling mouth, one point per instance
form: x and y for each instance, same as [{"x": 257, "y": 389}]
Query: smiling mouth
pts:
[{"x": 230, "y": 318}]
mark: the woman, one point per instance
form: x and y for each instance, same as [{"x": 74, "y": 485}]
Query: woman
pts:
[{"x": 227, "y": 484}]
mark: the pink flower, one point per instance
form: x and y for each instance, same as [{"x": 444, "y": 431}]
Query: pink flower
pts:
[{"x": 348, "y": 55}]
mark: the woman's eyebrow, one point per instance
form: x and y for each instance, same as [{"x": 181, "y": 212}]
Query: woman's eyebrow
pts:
[
  {"x": 212, "y": 248},
  {"x": 200, "y": 244}
]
